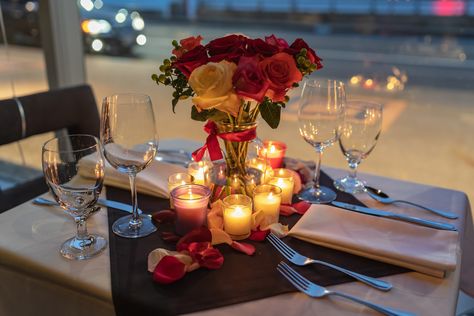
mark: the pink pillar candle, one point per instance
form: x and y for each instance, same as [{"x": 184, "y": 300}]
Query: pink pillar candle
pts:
[
  {"x": 273, "y": 152},
  {"x": 190, "y": 202}
]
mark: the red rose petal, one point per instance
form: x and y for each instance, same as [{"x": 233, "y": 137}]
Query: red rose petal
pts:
[
  {"x": 259, "y": 235},
  {"x": 248, "y": 249},
  {"x": 164, "y": 216},
  {"x": 287, "y": 210},
  {"x": 301, "y": 207},
  {"x": 211, "y": 258},
  {"x": 169, "y": 270},
  {"x": 201, "y": 234}
]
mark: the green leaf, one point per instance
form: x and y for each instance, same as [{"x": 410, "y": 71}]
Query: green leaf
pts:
[
  {"x": 173, "y": 103},
  {"x": 204, "y": 115},
  {"x": 270, "y": 113}
]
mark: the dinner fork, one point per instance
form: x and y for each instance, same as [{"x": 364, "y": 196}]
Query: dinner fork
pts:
[
  {"x": 301, "y": 260},
  {"x": 314, "y": 290}
]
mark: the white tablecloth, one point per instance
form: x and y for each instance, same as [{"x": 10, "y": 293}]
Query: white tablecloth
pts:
[{"x": 36, "y": 280}]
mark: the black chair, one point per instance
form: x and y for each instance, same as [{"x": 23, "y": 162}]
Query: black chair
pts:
[{"x": 73, "y": 109}]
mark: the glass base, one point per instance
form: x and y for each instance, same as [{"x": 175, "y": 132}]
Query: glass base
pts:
[
  {"x": 80, "y": 249},
  {"x": 314, "y": 196},
  {"x": 125, "y": 227},
  {"x": 239, "y": 237},
  {"x": 349, "y": 185}
]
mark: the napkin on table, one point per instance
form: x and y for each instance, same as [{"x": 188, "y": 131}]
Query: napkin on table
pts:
[{"x": 419, "y": 248}]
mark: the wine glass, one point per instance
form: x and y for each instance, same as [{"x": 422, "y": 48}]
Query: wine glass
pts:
[
  {"x": 360, "y": 132},
  {"x": 320, "y": 117},
  {"x": 128, "y": 134},
  {"x": 64, "y": 160}
]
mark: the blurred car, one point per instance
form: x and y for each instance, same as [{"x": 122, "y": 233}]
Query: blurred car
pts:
[{"x": 105, "y": 29}]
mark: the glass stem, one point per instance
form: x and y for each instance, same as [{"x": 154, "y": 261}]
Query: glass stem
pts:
[
  {"x": 135, "y": 222},
  {"x": 317, "y": 171},
  {"x": 353, "y": 168},
  {"x": 81, "y": 226}
]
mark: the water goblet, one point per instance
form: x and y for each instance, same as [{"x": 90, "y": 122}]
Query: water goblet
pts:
[
  {"x": 359, "y": 135},
  {"x": 130, "y": 141},
  {"x": 64, "y": 159},
  {"x": 320, "y": 116}
]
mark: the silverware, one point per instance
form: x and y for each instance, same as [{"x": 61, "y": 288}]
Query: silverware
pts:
[
  {"x": 314, "y": 290},
  {"x": 102, "y": 202},
  {"x": 405, "y": 218},
  {"x": 382, "y": 197},
  {"x": 301, "y": 260}
]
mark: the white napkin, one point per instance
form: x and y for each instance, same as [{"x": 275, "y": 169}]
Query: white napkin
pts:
[{"x": 419, "y": 248}]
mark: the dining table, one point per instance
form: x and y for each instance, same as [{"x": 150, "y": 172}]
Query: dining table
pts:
[{"x": 36, "y": 280}]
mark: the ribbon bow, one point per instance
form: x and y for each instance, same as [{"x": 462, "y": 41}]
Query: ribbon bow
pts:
[{"x": 212, "y": 143}]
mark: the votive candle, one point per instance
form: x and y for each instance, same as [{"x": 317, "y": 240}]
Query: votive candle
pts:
[
  {"x": 177, "y": 179},
  {"x": 273, "y": 152},
  {"x": 237, "y": 216},
  {"x": 190, "y": 202},
  {"x": 200, "y": 172},
  {"x": 267, "y": 198},
  {"x": 263, "y": 166},
  {"x": 283, "y": 178}
]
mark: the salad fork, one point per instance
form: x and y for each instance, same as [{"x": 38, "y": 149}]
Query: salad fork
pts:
[
  {"x": 317, "y": 291},
  {"x": 301, "y": 260}
]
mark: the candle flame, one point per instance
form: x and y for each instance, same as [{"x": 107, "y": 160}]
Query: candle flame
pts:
[
  {"x": 238, "y": 211},
  {"x": 272, "y": 149}
]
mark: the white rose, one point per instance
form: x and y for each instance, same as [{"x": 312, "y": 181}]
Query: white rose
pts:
[{"x": 212, "y": 84}]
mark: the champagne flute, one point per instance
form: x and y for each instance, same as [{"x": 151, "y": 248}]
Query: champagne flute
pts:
[
  {"x": 320, "y": 117},
  {"x": 64, "y": 159},
  {"x": 128, "y": 134},
  {"x": 360, "y": 132}
]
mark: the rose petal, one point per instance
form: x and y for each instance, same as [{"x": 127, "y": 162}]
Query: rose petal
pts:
[
  {"x": 287, "y": 210},
  {"x": 279, "y": 230},
  {"x": 211, "y": 258},
  {"x": 301, "y": 207},
  {"x": 214, "y": 221},
  {"x": 220, "y": 237},
  {"x": 169, "y": 270},
  {"x": 248, "y": 249},
  {"x": 257, "y": 219},
  {"x": 155, "y": 256},
  {"x": 164, "y": 216},
  {"x": 258, "y": 235},
  {"x": 196, "y": 235}
]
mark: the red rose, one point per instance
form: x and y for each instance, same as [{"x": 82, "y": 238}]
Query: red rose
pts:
[
  {"x": 296, "y": 47},
  {"x": 258, "y": 46},
  {"x": 278, "y": 42},
  {"x": 191, "y": 60},
  {"x": 248, "y": 79},
  {"x": 228, "y": 48},
  {"x": 187, "y": 44},
  {"x": 281, "y": 73}
]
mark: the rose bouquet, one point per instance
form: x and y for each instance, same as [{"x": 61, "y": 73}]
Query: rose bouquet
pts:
[{"x": 232, "y": 80}]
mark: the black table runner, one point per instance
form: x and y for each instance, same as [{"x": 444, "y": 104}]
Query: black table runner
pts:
[{"x": 242, "y": 278}]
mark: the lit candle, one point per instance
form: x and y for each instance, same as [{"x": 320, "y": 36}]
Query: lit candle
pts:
[
  {"x": 273, "y": 152},
  {"x": 237, "y": 216},
  {"x": 267, "y": 198},
  {"x": 177, "y": 179},
  {"x": 190, "y": 202},
  {"x": 283, "y": 179},
  {"x": 200, "y": 172},
  {"x": 263, "y": 166}
]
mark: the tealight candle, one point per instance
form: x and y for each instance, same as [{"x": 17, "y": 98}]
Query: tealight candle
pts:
[
  {"x": 177, "y": 179},
  {"x": 190, "y": 202},
  {"x": 263, "y": 166},
  {"x": 237, "y": 216},
  {"x": 283, "y": 179},
  {"x": 267, "y": 198},
  {"x": 273, "y": 152},
  {"x": 200, "y": 172}
]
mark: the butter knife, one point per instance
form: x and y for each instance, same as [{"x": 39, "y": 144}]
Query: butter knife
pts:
[
  {"x": 406, "y": 218},
  {"x": 100, "y": 201}
]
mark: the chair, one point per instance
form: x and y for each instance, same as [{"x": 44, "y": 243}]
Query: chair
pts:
[{"x": 73, "y": 109}]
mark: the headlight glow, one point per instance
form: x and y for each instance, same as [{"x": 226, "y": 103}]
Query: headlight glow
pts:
[
  {"x": 95, "y": 27},
  {"x": 138, "y": 24}
]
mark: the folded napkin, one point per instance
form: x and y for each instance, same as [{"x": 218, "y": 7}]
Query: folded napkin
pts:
[
  {"x": 419, "y": 248},
  {"x": 153, "y": 180}
]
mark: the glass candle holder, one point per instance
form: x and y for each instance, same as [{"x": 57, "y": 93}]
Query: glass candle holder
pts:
[
  {"x": 273, "y": 152},
  {"x": 200, "y": 172},
  {"x": 237, "y": 216},
  {"x": 267, "y": 198},
  {"x": 190, "y": 202},
  {"x": 177, "y": 179},
  {"x": 262, "y": 165},
  {"x": 283, "y": 178}
]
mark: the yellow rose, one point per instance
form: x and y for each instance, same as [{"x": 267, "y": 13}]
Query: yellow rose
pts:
[{"x": 212, "y": 84}]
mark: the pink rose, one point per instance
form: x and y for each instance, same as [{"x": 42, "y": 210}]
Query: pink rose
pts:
[
  {"x": 281, "y": 73},
  {"x": 187, "y": 44},
  {"x": 278, "y": 42},
  {"x": 258, "y": 46},
  {"x": 248, "y": 79},
  {"x": 191, "y": 60}
]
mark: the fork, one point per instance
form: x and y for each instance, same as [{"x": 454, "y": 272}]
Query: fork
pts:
[
  {"x": 314, "y": 290},
  {"x": 301, "y": 260}
]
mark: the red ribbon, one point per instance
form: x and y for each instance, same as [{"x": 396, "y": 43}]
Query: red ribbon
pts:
[{"x": 212, "y": 143}]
